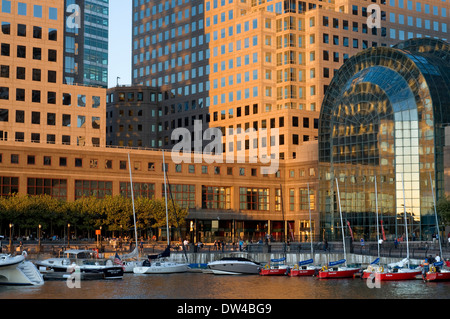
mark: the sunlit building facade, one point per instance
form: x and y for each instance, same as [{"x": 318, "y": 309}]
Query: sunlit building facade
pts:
[{"x": 382, "y": 128}]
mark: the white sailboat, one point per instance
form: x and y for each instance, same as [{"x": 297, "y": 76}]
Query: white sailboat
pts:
[
  {"x": 161, "y": 265},
  {"x": 329, "y": 272},
  {"x": 131, "y": 260},
  {"x": 400, "y": 270}
]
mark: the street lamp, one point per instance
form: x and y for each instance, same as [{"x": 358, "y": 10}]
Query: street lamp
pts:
[
  {"x": 68, "y": 235},
  {"x": 39, "y": 238},
  {"x": 10, "y": 237}
]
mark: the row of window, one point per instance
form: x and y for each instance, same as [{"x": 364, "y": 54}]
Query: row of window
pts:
[
  {"x": 49, "y": 139},
  {"x": 213, "y": 197},
  {"x": 36, "y": 31},
  {"x": 25, "y": 9},
  {"x": 20, "y": 94},
  {"x": 51, "y": 119}
]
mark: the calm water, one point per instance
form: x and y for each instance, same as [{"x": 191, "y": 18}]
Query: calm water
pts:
[{"x": 190, "y": 286}]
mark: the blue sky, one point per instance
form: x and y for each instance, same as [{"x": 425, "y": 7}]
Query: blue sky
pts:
[{"x": 120, "y": 12}]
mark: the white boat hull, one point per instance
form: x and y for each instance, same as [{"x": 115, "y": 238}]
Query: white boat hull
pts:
[
  {"x": 17, "y": 271},
  {"x": 233, "y": 267},
  {"x": 162, "y": 268}
]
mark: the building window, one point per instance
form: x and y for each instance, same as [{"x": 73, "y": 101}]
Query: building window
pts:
[
  {"x": 254, "y": 199},
  {"x": 98, "y": 189},
  {"x": 304, "y": 203},
  {"x": 183, "y": 195},
  {"x": 56, "y": 188},
  {"x": 9, "y": 185},
  {"x": 214, "y": 197},
  {"x": 146, "y": 190}
]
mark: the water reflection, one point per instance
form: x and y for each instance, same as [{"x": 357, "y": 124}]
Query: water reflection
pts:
[{"x": 205, "y": 286}]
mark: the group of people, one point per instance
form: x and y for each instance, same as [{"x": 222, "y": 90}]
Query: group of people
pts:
[{"x": 429, "y": 262}]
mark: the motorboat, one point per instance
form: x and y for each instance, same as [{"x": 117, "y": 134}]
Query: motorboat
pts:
[
  {"x": 234, "y": 266},
  {"x": 84, "y": 261},
  {"x": 276, "y": 267},
  {"x": 16, "y": 270},
  {"x": 397, "y": 274},
  {"x": 303, "y": 268}
]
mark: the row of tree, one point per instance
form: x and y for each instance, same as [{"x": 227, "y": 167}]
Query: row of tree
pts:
[{"x": 114, "y": 214}]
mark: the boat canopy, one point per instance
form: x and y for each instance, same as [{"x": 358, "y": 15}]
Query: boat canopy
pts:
[
  {"x": 375, "y": 262},
  {"x": 305, "y": 262},
  {"x": 278, "y": 260},
  {"x": 334, "y": 263},
  {"x": 165, "y": 253}
]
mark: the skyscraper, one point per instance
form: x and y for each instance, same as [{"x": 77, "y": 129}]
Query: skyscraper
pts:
[
  {"x": 263, "y": 64},
  {"x": 86, "y": 42}
]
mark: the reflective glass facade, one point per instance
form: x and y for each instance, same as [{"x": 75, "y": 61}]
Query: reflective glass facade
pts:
[{"x": 383, "y": 119}]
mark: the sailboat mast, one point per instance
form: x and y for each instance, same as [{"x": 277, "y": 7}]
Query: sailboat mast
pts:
[
  {"x": 376, "y": 208},
  {"x": 310, "y": 226},
  {"x": 342, "y": 223},
  {"x": 406, "y": 225},
  {"x": 165, "y": 198},
  {"x": 435, "y": 215},
  {"x": 132, "y": 200}
]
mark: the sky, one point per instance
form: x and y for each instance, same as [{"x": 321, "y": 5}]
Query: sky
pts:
[{"x": 119, "y": 64}]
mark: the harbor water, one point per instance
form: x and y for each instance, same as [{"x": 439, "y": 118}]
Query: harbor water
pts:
[{"x": 189, "y": 286}]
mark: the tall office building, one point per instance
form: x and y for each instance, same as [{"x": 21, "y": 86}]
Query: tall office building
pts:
[
  {"x": 262, "y": 64},
  {"x": 37, "y": 107},
  {"x": 86, "y": 42}
]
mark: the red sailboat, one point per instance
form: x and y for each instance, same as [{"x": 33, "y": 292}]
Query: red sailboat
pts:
[
  {"x": 436, "y": 273},
  {"x": 276, "y": 269},
  {"x": 331, "y": 272},
  {"x": 302, "y": 269}
]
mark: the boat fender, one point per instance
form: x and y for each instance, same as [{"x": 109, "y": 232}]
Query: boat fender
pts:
[{"x": 324, "y": 268}]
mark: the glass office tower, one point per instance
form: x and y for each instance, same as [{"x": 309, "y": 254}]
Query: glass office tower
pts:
[
  {"x": 382, "y": 121},
  {"x": 86, "y": 42}
]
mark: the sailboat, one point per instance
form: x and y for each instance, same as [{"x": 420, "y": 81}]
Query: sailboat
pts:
[
  {"x": 304, "y": 267},
  {"x": 373, "y": 267},
  {"x": 161, "y": 265},
  {"x": 400, "y": 270},
  {"x": 130, "y": 261},
  {"x": 277, "y": 266},
  {"x": 436, "y": 272},
  {"x": 331, "y": 271}
]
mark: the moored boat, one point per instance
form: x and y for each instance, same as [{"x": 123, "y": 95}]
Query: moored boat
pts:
[
  {"x": 15, "y": 270},
  {"x": 82, "y": 260},
  {"x": 397, "y": 274},
  {"x": 303, "y": 268},
  {"x": 333, "y": 272},
  {"x": 276, "y": 267},
  {"x": 437, "y": 273},
  {"x": 234, "y": 266}
]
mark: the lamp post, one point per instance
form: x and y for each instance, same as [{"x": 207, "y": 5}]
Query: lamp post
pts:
[
  {"x": 68, "y": 235},
  {"x": 10, "y": 238},
  {"x": 39, "y": 238}
]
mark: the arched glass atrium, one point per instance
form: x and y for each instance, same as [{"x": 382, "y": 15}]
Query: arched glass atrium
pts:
[{"x": 383, "y": 119}]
